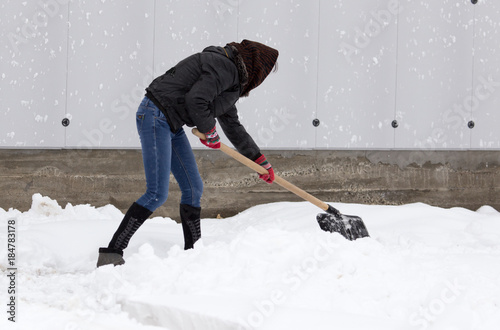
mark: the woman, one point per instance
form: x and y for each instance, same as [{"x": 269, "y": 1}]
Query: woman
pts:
[{"x": 197, "y": 91}]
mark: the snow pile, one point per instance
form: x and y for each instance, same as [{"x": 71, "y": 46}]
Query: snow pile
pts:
[{"x": 269, "y": 267}]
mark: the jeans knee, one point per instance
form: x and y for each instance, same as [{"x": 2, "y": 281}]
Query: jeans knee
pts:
[
  {"x": 153, "y": 200},
  {"x": 161, "y": 198}
]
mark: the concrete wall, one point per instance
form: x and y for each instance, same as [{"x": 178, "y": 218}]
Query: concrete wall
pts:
[{"x": 99, "y": 177}]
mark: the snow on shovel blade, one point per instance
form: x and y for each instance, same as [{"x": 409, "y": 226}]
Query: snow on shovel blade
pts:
[{"x": 349, "y": 226}]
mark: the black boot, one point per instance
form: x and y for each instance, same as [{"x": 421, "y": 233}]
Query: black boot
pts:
[
  {"x": 133, "y": 219},
  {"x": 109, "y": 256},
  {"x": 190, "y": 217}
]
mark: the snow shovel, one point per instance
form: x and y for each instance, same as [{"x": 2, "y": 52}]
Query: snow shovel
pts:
[{"x": 349, "y": 226}]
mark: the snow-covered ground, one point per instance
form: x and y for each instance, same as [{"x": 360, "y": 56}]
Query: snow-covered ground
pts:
[{"x": 269, "y": 267}]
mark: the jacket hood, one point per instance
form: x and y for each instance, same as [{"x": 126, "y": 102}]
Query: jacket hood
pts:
[{"x": 254, "y": 61}]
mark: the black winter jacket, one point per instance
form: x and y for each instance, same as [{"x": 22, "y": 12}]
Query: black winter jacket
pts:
[{"x": 200, "y": 88}]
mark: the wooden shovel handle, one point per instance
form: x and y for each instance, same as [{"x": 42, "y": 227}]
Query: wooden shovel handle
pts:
[{"x": 259, "y": 169}]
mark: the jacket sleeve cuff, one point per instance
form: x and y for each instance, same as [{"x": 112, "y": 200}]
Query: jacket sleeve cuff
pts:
[
  {"x": 206, "y": 126},
  {"x": 254, "y": 158}
]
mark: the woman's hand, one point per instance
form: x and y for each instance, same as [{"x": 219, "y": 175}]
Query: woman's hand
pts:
[
  {"x": 262, "y": 161},
  {"x": 212, "y": 139}
]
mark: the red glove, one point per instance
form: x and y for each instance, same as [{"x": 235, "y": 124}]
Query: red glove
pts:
[
  {"x": 262, "y": 161},
  {"x": 212, "y": 139}
]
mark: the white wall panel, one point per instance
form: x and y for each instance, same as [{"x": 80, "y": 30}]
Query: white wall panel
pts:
[
  {"x": 357, "y": 60},
  {"x": 185, "y": 27},
  {"x": 278, "y": 113},
  {"x": 33, "y": 73},
  {"x": 110, "y": 64},
  {"x": 354, "y": 65},
  {"x": 485, "y": 94},
  {"x": 434, "y": 74}
]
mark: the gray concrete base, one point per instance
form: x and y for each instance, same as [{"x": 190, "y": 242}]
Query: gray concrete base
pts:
[{"x": 98, "y": 177}]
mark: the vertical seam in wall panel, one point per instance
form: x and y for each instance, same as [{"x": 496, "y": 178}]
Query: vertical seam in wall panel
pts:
[
  {"x": 317, "y": 76},
  {"x": 397, "y": 65},
  {"x": 238, "y": 23},
  {"x": 154, "y": 40},
  {"x": 68, "y": 25},
  {"x": 471, "y": 116}
]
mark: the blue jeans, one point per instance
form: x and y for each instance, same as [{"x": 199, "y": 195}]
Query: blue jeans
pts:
[{"x": 164, "y": 152}]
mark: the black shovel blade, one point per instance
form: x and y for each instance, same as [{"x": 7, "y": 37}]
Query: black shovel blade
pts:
[{"x": 350, "y": 226}]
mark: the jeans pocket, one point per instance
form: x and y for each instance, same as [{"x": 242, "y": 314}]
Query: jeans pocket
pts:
[{"x": 139, "y": 118}]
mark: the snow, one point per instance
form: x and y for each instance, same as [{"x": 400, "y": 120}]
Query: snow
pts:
[{"x": 269, "y": 267}]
